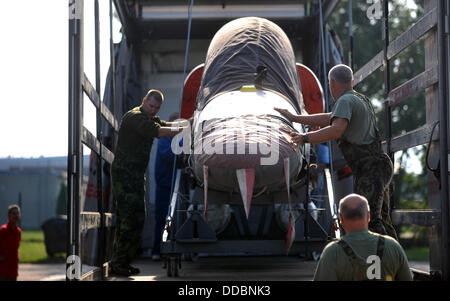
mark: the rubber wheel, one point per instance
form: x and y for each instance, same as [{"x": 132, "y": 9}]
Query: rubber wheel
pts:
[
  {"x": 191, "y": 256},
  {"x": 173, "y": 267},
  {"x": 169, "y": 267}
]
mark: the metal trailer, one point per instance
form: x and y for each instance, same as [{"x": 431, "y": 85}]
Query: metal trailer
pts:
[
  {"x": 434, "y": 25},
  {"x": 434, "y": 80},
  {"x": 188, "y": 234},
  {"x": 78, "y": 220}
]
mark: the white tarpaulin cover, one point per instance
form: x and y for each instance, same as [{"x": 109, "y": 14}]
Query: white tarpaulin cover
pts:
[{"x": 237, "y": 50}]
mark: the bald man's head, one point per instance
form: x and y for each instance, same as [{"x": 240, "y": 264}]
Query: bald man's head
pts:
[{"x": 354, "y": 207}]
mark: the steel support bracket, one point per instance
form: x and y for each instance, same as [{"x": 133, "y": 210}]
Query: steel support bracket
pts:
[
  {"x": 447, "y": 25},
  {"x": 195, "y": 229}
]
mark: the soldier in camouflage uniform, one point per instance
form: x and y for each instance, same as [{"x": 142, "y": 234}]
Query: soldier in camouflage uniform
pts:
[
  {"x": 138, "y": 128},
  {"x": 372, "y": 170},
  {"x": 352, "y": 122}
]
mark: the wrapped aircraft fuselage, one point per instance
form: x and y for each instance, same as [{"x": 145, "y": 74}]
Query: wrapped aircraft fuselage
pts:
[{"x": 240, "y": 142}]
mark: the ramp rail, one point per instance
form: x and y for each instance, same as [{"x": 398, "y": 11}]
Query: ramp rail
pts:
[
  {"x": 79, "y": 84},
  {"x": 434, "y": 25}
]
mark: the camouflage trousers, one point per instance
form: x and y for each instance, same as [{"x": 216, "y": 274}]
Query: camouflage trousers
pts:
[
  {"x": 129, "y": 194},
  {"x": 372, "y": 171}
]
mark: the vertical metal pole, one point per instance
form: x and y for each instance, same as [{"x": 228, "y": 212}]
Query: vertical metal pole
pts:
[
  {"x": 351, "y": 62},
  {"x": 100, "y": 206},
  {"x": 75, "y": 148},
  {"x": 305, "y": 205},
  {"x": 446, "y": 207},
  {"x": 324, "y": 65},
  {"x": 387, "y": 89},
  {"x": 174, "y": 189},
  {"x": 186, "y": 57},
  {"x": 325, "y": 94},
  {"x": 114, "y": 107},
  {"x": 387, "y": 76},
  {"x": 443, "y": 52}
]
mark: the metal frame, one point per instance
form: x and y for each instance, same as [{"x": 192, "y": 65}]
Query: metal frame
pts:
[
  {"x": 437, "y": 17},
  {"x": 79, "y": 220},
  {"x": 435, "y": 23},
  {"x": 190, "y": 235},
  {"x": 444, "y": 97}
]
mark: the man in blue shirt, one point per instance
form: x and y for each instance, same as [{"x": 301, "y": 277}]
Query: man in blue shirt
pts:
[
  {"x": 323, "y": 159},
  {"x": 163, "y": 176}
]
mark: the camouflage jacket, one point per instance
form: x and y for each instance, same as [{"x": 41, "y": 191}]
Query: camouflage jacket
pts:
[{"x": 136, "y": 134}]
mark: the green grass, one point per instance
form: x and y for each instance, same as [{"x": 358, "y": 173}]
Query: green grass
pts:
[
  {"x": 33, "y": 235},
  {"x": 418, "y": 253},
  {"x": 32, "y": 248}
]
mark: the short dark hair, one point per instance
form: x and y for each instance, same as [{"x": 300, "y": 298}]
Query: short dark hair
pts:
[
  {"x": 354, "y": 212},
  {"x": 12, "y": 207},
  {"x": 156, "y": 94}
]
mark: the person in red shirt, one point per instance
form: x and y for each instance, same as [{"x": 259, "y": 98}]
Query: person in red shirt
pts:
[{"x": 10, "y": 236}]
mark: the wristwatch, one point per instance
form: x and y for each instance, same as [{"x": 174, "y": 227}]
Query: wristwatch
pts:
[{"x": 305, "y": 138}]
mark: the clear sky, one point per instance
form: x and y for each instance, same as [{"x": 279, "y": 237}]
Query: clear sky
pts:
[{"x": 34, "y": 74}]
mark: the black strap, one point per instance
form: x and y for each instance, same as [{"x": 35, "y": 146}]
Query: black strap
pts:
[
  {"x": 347, "y": 249},
  {"x": 380, "y": 247},
  {"x": 350, "y": 253},
  {"x": 374, "y": 120},
  {"x": 354, "y": 259}
]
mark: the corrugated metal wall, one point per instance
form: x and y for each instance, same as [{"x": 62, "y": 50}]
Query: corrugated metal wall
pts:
[{"x": 39, "y": 195}]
